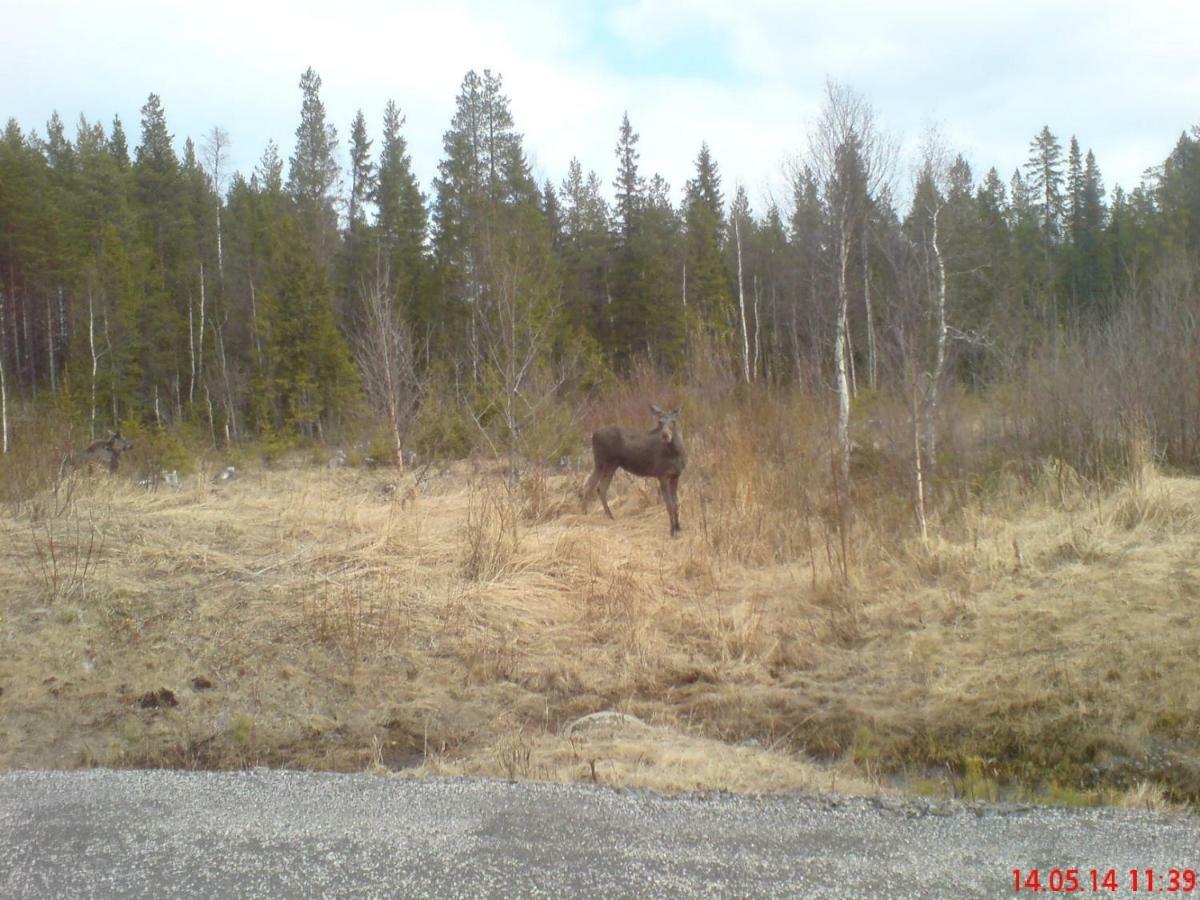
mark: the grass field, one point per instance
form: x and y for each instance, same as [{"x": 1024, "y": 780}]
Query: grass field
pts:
[{"x": 439, "y": 621}]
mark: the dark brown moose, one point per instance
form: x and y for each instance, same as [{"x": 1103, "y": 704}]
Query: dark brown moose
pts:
[
  {"x": 659, "y": 454},
  {"x": 107, "y": 452}
]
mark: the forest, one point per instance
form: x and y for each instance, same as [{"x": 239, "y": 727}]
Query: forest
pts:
[{"x": 159, "y": 292}]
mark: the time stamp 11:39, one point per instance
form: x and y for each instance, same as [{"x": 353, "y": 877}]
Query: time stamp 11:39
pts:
[{"x": 1104, "y": 881}]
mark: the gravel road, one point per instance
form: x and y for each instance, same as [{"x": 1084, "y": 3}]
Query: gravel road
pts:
[{"x": 294, "y": 834}]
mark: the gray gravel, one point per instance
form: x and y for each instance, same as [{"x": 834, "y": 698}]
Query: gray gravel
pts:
[{"x": 294, "y": 834}]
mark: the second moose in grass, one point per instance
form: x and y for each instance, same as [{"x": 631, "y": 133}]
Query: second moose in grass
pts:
[{"x": 659, "y": 454}]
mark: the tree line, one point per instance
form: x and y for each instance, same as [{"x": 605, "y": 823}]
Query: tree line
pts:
[{"x": 144, "y": 285}]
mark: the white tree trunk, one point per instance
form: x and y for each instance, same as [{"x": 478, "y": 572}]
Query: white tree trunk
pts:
[
  {"x": 757, "y": 328},
  {"x": 872, "y": 357},
  {"x": 50, "y": 343},
  {"x": 842, "y": 377},
  {"x": 3, "y": 384},
  {"x": 935, "y": 376},
  {"x": 95, "y": 357},
  {"x": 254, "y": 325},
  {"x": 918, "y": 466},
  {"x": 230, "y": 426},
  {"x": 191, "y": 355},
  {"x": 841, "y": 340},
  {"x": 220, "y": 253},
  {"x": 200, "y": 335},
  {"x": 3, "y": 398},
  {"x": 30, "y": 353},
  {"x": 737, "y": 234},
  {"x": 112, "y": 375}
]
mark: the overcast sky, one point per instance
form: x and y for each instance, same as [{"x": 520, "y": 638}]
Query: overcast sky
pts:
[{"x": 746, "y": 76}]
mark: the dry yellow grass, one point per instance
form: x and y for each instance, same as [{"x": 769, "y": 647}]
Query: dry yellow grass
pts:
[{"x": 352, "y": 620}]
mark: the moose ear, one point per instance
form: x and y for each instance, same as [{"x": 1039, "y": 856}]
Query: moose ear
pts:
[{"x": 654, "y": 409}]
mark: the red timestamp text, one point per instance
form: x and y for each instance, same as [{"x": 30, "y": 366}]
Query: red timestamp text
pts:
[{"x": 1099, "y": 881}]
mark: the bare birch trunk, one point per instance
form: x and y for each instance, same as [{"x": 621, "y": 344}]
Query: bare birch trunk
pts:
[
  {"x": 200, "y": 335},
  {"x": 230, "y": 426},
  {"x": 757, "y": 329},
  {"x": 852, "y": 372},
  {"x": 95, "y": 358},
  {"x": 3, "y": 384},
  {"x": 737, "y": 233},
  {"x": 385, "y": 357},
  {"x": 872, "y": 357},
  {"x": 3, "y": 392},
  {"x": 112, "y": 375},
  {"x": 220, "y": 253},
  {"x": 50, "y": 343},
  {"x": 212, "y": 424},
  {"x": 191, "y": 355},
  {"x": 842, "y": 378},
  {"x": 935, "y": 377},
  {"x": 30, "y": 354},
  {"x": 62, "y": 321},
  {"x": 796, "y": 342},
  {"x": 918, "y": 465},
  {"x": 254, "y": 324}
]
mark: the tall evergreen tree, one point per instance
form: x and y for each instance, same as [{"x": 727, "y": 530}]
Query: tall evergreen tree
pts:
[
  {"x": 401, "y": 221},
  {"x": 1044, "y": 177},
  {"x": 118, "y": 145},
  {"x": 356, "y": 259},
  {"x": 629, "y": 187},
  {"x": 663, "y": 327},
  {"x": 709, "y": 294},
  {"x": 586, "y": 253},
  {"x": 490, "y": 237},
  {"x": 362, "y": 173},
  {"x": 627, "y": 300},
  {"x": 314, "y": 177}
]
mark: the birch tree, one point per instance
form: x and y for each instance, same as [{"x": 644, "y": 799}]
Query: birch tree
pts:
[
  {"x": 851, "y": 161},
  {"x": 929, "y": 202},
  {"x": 216, "y": 156},
  {"x": 740, "y": 217},
  {"x": 384, "y": 354}
]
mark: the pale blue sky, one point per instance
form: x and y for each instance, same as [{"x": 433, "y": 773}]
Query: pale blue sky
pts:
[{"x": 746, "y": 77}]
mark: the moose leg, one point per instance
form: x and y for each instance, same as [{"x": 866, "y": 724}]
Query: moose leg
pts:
[
  {"x": 602, "y": 489},
  {"x": 672, "y": 491},
  {"x": 664, "y": 488},
  {"x": 590, "y": 486}
]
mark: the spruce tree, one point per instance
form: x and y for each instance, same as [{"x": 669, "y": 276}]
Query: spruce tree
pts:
[
  {"x": 400, "y": 222},
  {"x": 709, "y": 293},
  {"x": 118, "y": 145},
  {"x": 314, "y": 176},
  {"x": 587, "y": 253},
  {"x": 356, "y": 258},
  {"x": 1044, "y": 177},
  {"x": 626, "y": 312}
]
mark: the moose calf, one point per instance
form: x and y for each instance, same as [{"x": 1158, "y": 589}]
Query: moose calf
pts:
[{"x": 659, "y": 454}]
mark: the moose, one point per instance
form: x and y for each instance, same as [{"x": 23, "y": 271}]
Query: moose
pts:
[
  {"x": 108, "y": 452},
  {"x": 659, "y": 454}
]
